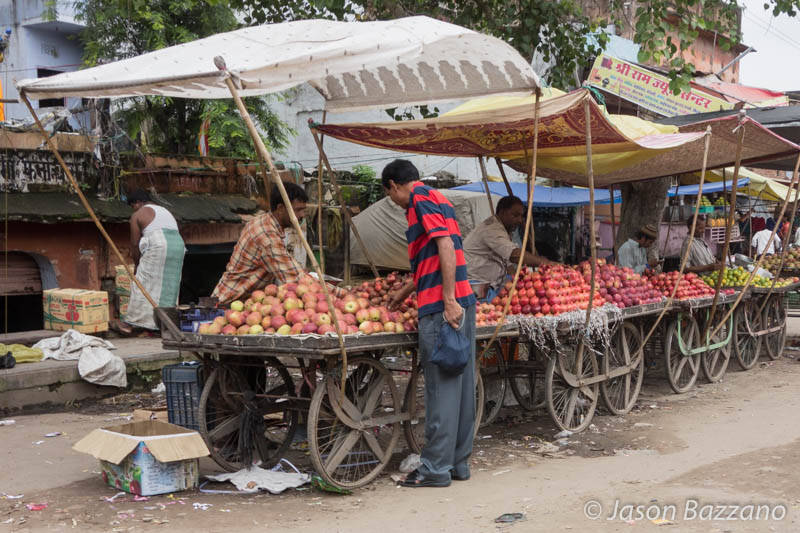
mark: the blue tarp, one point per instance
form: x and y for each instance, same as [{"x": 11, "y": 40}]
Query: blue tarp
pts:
[
  {"x": 545, "y": 196},
  {"x": 717, "y": 186}
]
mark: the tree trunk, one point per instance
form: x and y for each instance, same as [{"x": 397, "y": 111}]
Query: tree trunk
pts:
[{"x": 643, "y": 203}]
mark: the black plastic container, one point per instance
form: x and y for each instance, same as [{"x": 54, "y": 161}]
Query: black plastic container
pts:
[{"x": 184, "y": 384}]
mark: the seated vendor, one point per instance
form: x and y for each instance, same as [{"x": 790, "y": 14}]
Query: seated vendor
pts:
[
  {"x": 761, "y": 238},
  {"x": 260, "y": 257},
  {"x": 633, "y": 254},
  {"x": 700, "y": 257},
  {"x": 489, "y": 250}
]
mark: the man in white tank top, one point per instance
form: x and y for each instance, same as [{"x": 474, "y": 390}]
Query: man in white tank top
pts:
[{"x": 157, "y": 250}]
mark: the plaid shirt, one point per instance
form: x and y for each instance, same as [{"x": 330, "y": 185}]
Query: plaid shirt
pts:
[{"x": 259, "y": 259}]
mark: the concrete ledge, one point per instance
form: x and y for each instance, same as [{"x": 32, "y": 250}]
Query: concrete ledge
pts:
[{"x": 54, "y": 382}]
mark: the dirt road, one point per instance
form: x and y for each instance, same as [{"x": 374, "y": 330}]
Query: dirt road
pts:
[{"x": 734, "y": 443}]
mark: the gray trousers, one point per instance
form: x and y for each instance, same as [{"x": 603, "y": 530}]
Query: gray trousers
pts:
[{"x": 449, "y": 403}]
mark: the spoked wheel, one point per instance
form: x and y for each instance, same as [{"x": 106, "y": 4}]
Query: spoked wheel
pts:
[
  {"x": 681, "y": 365},
  {"x": 493, "y": 382},
  {"x": 351, "y": 439},
  {"x": 414, "y": 403},
  {"x": 526, "y": 378},
  {"x": 571, "y": 405},
  {"x": 625, "y": 350},
  {"x": 246, "y": 416},
  {"x": 774, "y": 315},
  {"x": 746, "y": 347},
  {"x": 715, "y": 362}
]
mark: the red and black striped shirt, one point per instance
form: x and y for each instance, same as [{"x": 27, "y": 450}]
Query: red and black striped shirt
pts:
[{"x": 430, "y": 215}]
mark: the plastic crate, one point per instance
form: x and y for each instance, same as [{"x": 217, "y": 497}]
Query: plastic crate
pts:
[
  {"x": 184, "y": 384},
  {"x": 192, "y": 316}
]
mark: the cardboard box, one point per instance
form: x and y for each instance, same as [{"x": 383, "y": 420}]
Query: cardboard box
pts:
[
  {"x": 122, "y": 281},
  {"x": 124, "y": 301},
  {"x": 146, "y": 457},
  {"x": 79, "y": 309}
]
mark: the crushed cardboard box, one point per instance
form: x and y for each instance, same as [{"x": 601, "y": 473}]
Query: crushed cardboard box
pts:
[{"x": 146, "y": 457}]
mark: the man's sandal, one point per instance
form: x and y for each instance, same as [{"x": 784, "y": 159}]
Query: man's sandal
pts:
[{"x": 417, "y": 479}]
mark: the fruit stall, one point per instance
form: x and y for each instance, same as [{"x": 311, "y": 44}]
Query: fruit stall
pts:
[{"x": 280, "y": 360}]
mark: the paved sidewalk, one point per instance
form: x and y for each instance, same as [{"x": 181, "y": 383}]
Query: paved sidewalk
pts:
[{"x": 57, "y": 382}]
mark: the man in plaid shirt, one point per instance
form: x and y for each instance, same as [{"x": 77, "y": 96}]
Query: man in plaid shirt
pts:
[{"x": 260, "y": 257}]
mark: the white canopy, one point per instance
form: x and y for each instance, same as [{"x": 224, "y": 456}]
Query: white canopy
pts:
[{"x": 354, "y": 65}]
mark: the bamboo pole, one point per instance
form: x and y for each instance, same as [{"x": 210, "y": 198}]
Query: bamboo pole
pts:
[
  {"x": 530, "y": 182},
  {"x": 220, "y": 63},
  {"x": 728, "y": 224},
  {"x": 590, "y": 179},
  {"x": 525, "y": 234},
  {"x": 486, "y": 183},
  {"x": 92, "y": 215},
  {"x": 613, "y": 224},
  {"x": 345, "y": 209},
  {"x": 319, "y": 202},
  {"x": 499, "y": 163},
  {"x": 793, "y": 184},
  {"x": 788, "y": 237},
  {"x": 671, "y": 298}
]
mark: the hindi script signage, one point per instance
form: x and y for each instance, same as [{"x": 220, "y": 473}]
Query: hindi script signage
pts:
[{"x": 650, "y": 90}]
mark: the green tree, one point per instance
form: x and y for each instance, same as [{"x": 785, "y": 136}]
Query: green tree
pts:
[{"x": 119, "y": 29}]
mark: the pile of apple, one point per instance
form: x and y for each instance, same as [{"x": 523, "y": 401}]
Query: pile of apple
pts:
[
  {"x": 691, "y": 285},
  {"x": 301, "y": 308}
]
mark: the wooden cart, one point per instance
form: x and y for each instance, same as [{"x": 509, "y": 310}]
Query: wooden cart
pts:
[
  {"x": 259, "y": 387},
  {"x": 761, "y": 325}
]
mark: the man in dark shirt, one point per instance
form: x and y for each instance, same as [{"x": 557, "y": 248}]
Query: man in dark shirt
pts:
[{"x": 443, "y": 294}]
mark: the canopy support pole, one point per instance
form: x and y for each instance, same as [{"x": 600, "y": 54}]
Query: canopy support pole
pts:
[
  {"x": 536, "y": 112},
  {"x": 793, "y": 184},
  {"x": 728, "y": 223},
  {"x": 668, "y": 303},
  {"x": 788, "y": 237},
  {"x": 531, "y": 182},
  {"x": 486, "y": 183},
  {"x": 345, "y": 209},
  {"x": 259, "y": 143},
  {"x": 319, "y": 205},
  {"x": 499, "y": 163},
  {"x": 47, "y": 139},
  {"x": 592, "y": 238},
  {"x": 613, "y": 223}
]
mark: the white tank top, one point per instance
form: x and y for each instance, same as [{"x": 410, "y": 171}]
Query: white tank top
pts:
[{"x": 162, "y": 220}]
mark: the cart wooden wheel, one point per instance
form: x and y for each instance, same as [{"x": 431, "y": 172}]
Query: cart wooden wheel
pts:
[
  {"x": 414, "y": 403},
  {"x": 620, "y": 393},
  {"x": 492, "y": 374},
  {"x": 233, "y": 401},
  {"x": 715, "y": 362},
  {"x": 682, "y": 365},
  {"x": 351, "y": 439},
  {"x": 774, "y": 315},
  {"x": 572, "y": 406},
  {"x": 526, "y": 378},
  {"x": 746, "y": 346}
]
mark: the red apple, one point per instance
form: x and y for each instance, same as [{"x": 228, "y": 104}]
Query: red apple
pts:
[
  {"x": 230, "y": 329},
  {"x": 323, "y": 319},
  {"x": 254, "y": 318},
  {"x": 309, "y": 327},
  {"x": 325, "y": 328},
  {"x": 258, "y": 296},
  {"x": 278, "y": 321},
  {"x": 244, "y": 329}
]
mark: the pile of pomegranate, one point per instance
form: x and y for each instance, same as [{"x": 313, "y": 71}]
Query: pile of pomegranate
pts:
[
  {"x": 691, "y": 285},
  {"x": 301, "y": 308}
]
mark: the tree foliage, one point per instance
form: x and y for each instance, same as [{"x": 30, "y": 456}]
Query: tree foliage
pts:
[
  {"x": 559, "y": 31},
  {"x": 119, "y": 29}
]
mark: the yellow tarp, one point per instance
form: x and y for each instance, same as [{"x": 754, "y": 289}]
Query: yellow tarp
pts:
[{"x": 759, "y": 187}]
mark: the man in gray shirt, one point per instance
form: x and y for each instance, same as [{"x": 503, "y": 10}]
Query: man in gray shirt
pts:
[
  {"x": 700, "y": 257},
  {"x": 489, "y": 250}
]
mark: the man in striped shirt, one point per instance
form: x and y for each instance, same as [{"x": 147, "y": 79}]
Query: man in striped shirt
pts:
[{"x": 443, "y": 294}]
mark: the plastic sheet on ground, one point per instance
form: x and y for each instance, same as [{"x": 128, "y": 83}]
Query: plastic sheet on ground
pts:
[
  {"x": 256, "y": 479},
  {"x": 96, "y": 364}
]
